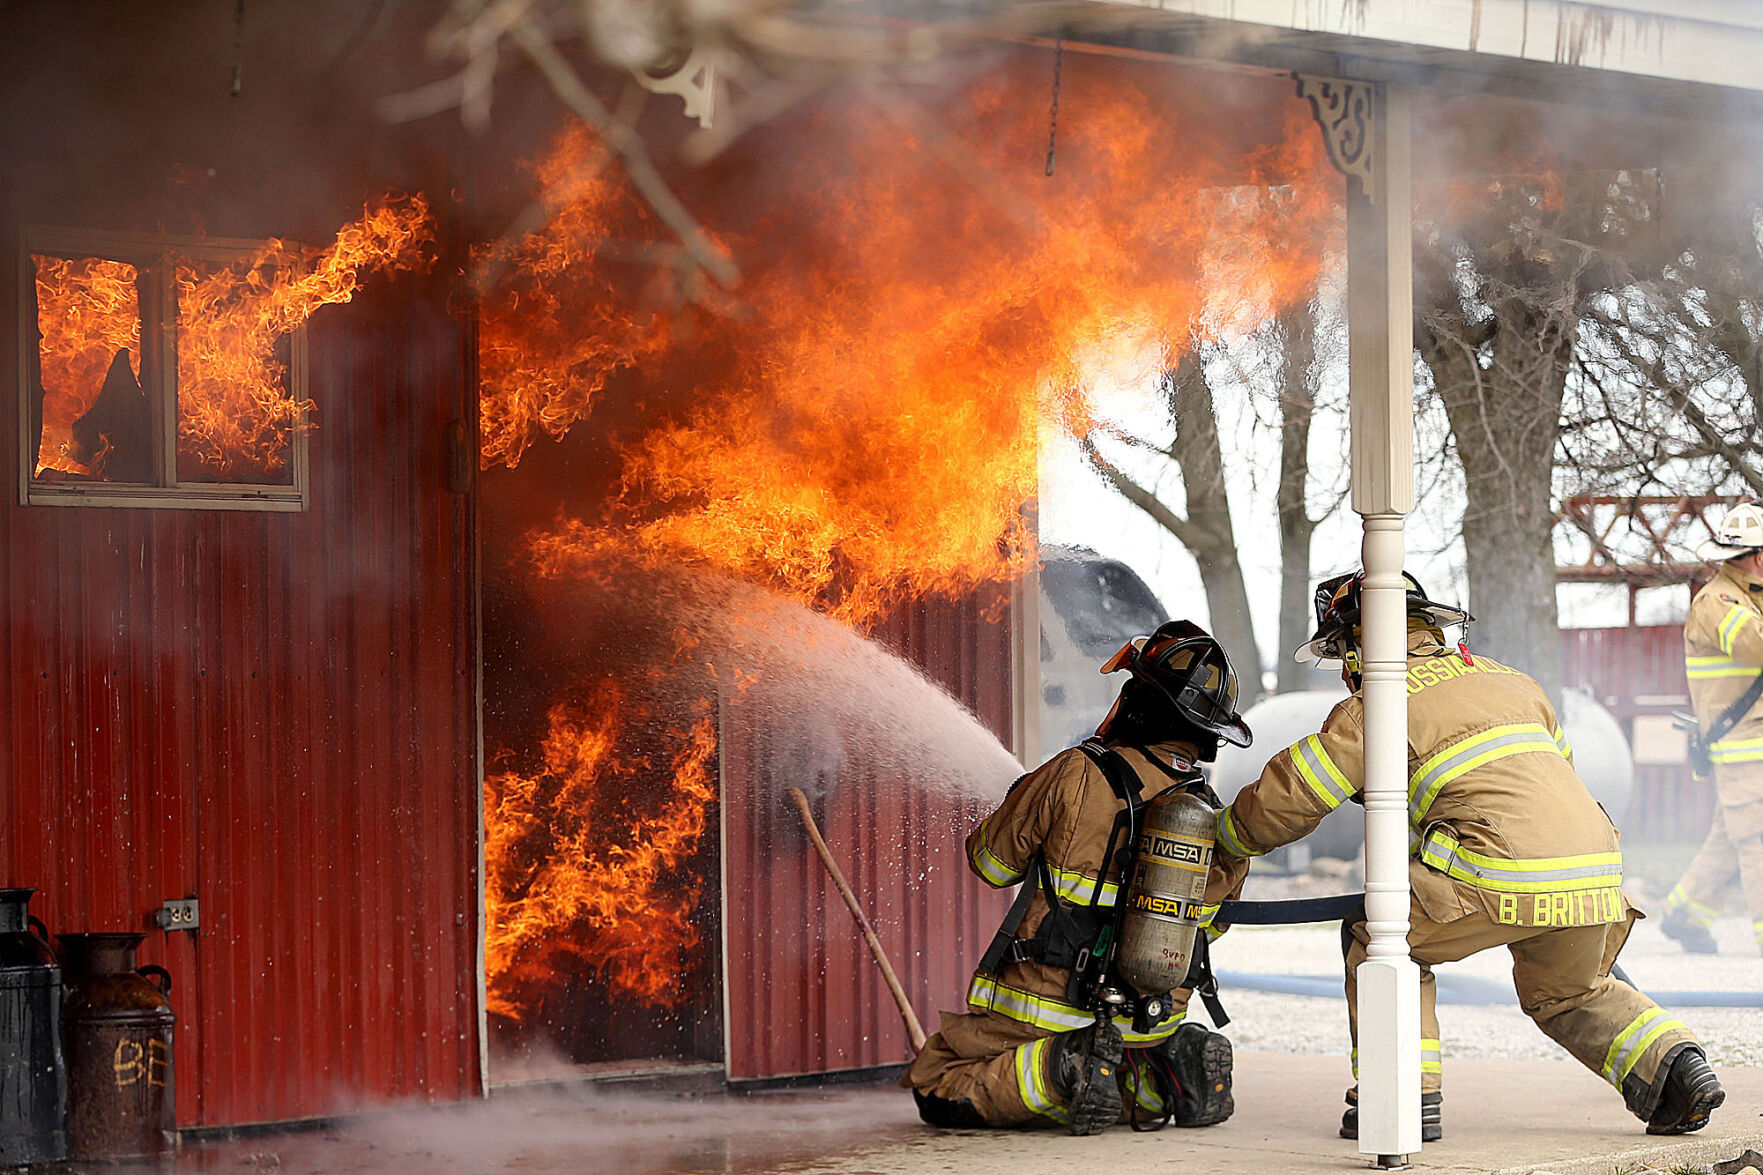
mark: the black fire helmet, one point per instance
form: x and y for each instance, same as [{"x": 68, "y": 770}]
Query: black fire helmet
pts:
[
  {"x": 1338, "y": 615},
  {"x": 1189, "y": 669}
]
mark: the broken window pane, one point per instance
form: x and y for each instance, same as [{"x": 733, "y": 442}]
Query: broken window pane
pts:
[
  {"x": 235, "y": 416},
  {"x": 93, "y": 419}
]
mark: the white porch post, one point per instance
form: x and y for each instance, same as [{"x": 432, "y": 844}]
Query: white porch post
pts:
[{"x": 1366, "y": 126}]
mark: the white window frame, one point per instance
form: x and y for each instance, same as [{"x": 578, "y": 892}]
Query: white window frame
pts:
[{"x": 156, "y": 253}]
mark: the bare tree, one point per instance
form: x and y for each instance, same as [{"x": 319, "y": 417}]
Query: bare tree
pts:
[{"x": 1205, "y": 529}]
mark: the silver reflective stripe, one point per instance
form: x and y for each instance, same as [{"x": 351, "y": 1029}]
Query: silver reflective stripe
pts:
[
  {"x": 1319, "y": 771},
  {"x": 1496, "y": 743}
]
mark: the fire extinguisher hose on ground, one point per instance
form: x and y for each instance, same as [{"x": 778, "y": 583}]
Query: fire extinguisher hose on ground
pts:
[{"x": 913, "y": 1028}]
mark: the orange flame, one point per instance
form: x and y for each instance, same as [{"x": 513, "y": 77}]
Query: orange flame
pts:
[
  {"x": 571, "y": 872},
  {"x": 235, "y": 416},
  {"x": 872, "y": 431},
  {"x": 558, "y": 327},
  {"x": 88, "y": 309}
]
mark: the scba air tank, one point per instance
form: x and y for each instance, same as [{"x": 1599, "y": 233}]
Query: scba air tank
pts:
[{"x": 1167, "y": 894}]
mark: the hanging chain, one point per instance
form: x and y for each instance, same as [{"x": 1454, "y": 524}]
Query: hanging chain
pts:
[
  {"x": 1053, "y": 115},
  {"x": 238, "y": 48}
]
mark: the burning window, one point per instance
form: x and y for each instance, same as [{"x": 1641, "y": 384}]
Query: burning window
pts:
[{"x": 165, "y": 372}]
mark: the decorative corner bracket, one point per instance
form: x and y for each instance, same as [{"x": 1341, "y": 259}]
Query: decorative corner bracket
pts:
[
  {"x": 1343, "y": 109},
  {"x": 695, "y": 81}
]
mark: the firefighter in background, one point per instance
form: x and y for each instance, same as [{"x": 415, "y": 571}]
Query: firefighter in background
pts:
[
  {"x": 1026, "y": 1054},
  {"x": 1509, "y": 849},
  {"x": 1723, "y": 656}
]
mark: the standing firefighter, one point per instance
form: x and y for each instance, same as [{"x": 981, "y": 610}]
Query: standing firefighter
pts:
[
  {"x": 1723, "y": 655},
  {"x": 1509, "y": 849},
  {"x": 1064, "y": 1020}
]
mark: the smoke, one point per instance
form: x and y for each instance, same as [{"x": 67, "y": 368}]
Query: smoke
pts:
[{"x": 583, "y": 1130}]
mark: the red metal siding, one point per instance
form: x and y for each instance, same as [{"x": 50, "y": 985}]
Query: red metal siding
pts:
[
  {"x": 1622, "y": 666},
  {"x": 803, "y": 993},
  {"x": 274, "y": 713}
]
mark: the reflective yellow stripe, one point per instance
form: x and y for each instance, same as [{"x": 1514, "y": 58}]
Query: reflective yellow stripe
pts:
[
  {"x": 1565, "y": 746},
  {"x": 1498, "y": 742},
  {"x": 1142, "y": 1091},
  {"x": 1432, "y": 1058},
  {"x": 1703, "y": 668},
  {"x": 1320, "y": 772},
  {"x": 1728, "y": 632},
  {"x": 1698, "y": 912},
  {"x": 1440, "y": 850},
  {"x": 1631, "y": 1043},
  {"x": 986, "y": 994},
  {"x": 1031, "y": 1081},
  {"x": 990, "y": 868},
  {"x": 1227, "y": 834},
  {"x": 1080, "y": 888},
  {"x": 1737, "y": 750}
]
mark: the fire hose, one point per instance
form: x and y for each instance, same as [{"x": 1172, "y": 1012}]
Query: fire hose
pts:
[
  {"x": 913, "y": 1028},
  {"x": 1452, "y": 989}
]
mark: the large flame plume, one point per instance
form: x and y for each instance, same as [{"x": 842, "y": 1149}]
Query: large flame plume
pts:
[
  {"x": 235, "y": 416},
  {"x": 921, "y": 309},
  {"x": 88, "y": 309},
  {"x": 579, "y": 867}
]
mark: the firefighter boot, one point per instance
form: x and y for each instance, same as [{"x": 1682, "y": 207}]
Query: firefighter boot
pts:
[
  {"x": 1432, "y": 1117},
  {"x": 1690, "y": 1094},
  {"x": 1201, "y": 1062},
  {"x": 1086, "y": 1068},
  {"x": 1692, "y": 936}
]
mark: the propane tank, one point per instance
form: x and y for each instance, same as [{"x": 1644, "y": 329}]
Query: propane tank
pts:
[{"x": 1167, "y": 893}]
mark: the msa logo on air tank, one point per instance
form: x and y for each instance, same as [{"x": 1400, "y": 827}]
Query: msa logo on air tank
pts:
[
  {"x": 1175, "y": 850},
  {"x": 1187, "y": 911}
]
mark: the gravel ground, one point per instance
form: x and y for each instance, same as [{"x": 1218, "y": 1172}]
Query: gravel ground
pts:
[{"x": 1312, "y": 1024}]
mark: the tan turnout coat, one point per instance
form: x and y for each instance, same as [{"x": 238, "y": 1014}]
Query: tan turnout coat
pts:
[
  {"x": 1498, "y": 820},
  {"x": 1065, "y": 810}
]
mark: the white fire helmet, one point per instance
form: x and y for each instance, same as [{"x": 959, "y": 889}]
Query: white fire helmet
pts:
[{"x": 1739, "y": 533}]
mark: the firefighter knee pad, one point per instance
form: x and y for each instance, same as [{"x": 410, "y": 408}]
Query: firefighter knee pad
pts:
[{"x": 951, "y": 1115}]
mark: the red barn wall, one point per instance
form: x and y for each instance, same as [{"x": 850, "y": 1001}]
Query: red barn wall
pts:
[
  {"x": 1635, "y": 671},
  {"x": 804, "y": 995},
  {"x": 273, "y": 713}
]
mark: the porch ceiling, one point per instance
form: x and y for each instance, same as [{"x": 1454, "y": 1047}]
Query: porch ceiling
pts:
[{"x": 1688, "y": 58}]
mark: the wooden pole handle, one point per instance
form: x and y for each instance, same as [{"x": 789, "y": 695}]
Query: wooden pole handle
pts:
[{"x": 913, "y": 1028}]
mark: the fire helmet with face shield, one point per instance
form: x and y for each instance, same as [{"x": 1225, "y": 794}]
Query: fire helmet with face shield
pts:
[
  {"x": 1339, "y": 618},
  {"x": 1184, "y": 667}
]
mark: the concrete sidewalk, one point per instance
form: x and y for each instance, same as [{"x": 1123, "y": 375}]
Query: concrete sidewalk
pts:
[{"x": 1506, "y": 1117}]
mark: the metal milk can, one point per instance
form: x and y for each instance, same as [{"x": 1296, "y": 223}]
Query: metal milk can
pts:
[
  {"x": 33, "y": 1074},
  {"x": 119, "y": 1061}
]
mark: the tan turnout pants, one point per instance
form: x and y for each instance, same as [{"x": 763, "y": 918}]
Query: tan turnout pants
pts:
[
  {"x": 1562, "y": 976},
  {"x": 1731, "y": 854},
  {"x": 1001, "y": 1067}
]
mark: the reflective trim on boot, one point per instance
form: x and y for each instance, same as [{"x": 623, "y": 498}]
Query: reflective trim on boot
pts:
[{"x": 1432, "y": 1118}]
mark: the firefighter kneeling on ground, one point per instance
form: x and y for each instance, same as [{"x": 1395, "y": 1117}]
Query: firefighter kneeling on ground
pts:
[
  {"x": 1509, "y": 849},
  {"x": 1077, "y": 1011}
]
